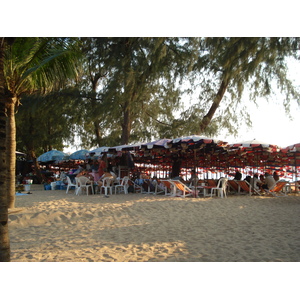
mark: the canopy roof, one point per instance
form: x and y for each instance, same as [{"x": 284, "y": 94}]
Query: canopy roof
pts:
[{"x": 203, "y": 152}]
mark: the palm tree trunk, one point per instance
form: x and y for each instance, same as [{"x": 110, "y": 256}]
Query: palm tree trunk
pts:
[
  {"x": 11, "y": 152},
  {"x": 4, "y": 236}
]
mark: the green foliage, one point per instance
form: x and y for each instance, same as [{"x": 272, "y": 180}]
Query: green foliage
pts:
[
  {"x": 132, "y": 89},
  {"x": 46, "y": 122}
]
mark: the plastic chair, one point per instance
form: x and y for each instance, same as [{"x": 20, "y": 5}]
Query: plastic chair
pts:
[
  {"x": 70, "y": 184},
  {"x": 106, "y": 186},
  {"x": 123, "y": 186},
  {"x": 221, "y": 187},
  {"x": 84, "y": 183}
]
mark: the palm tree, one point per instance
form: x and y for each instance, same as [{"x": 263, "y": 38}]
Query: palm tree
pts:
[
  {"x": 4, "y": 237},
  {"x": 32, "y": 65}
]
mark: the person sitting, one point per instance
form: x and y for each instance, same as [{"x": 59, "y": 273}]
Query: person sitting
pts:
[
  {"x": 63, "y": 177},
  {"x": 194, "y": 178},
  {"x": 248, "y": 179},
  {"x": 238, "y": 175},
  {"x": 110, "y": 174},
  {"x": 269, "y": 183},
  {"x": 276, "y": 176},
  {"x": 86, "y": 174},
  {"x": 78, "y": 170},
  {"x": 255, "y": 182}
]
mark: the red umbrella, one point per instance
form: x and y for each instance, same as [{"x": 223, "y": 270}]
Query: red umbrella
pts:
[{"x": 254, "y": 152}]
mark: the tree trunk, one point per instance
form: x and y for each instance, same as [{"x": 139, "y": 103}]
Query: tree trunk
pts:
[
  {"x": 4, "y": 236},
  {"x": 216, "y": 102},
  {"x": 11, "y": 152},
  {"x": 126, "y": 126},
  {"x": 97, "y": 133},
  {"x": 37, "y": 168}
]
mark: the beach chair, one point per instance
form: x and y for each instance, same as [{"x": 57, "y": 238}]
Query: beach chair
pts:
[
  {"x": 220, "y": 189},
  {"x": 159, "y": 187},
  {"x": 70, "y": 185},
  {"x": 277, "y": 190},
  {"x": 168, "y": 187},
  {"x": 180, "y": 189},
  {"x": 123, "y": 186},
  {"x": 246, "y": 187},
  {"x": 233, "y": 186},
  {"x": 106, "y": 186},
  {"x": 148, "y": 187},
  {"x": 137, "y": 188},
  {"x": 84, "y": 184}
]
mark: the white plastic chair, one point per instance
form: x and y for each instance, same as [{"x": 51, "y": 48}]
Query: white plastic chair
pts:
[
  {"x": 106, "y": 186},
  {"x": 221, "y": 187},
  {"x": 123, "y": 186},
  {"x": 84, "y": 183},
  {"x": 70, "y": 184}
]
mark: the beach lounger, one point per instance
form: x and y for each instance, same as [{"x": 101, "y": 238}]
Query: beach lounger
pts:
[
  {"x": 136, "y": 188},
  {"x": 277, "y": 190},
  {"x": 233, "y": 186},
  {"x": 180, "y": 189},
  {"x": 159, "y": 187},
  {"x": 169, "y": 188},
  {"x": 244, "y": 186}
]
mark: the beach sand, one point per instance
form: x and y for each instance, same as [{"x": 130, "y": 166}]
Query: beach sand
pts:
[{"x": 53, "y": 226}]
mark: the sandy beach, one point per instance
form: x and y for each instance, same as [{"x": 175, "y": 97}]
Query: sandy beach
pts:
[{"x": 52, "y": 226}]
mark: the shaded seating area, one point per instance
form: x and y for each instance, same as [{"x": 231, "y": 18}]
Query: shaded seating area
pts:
[{"x": 212, "y": 158}]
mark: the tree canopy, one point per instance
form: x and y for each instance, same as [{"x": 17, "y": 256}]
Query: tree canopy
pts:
[{"x": 132, "y": 89}]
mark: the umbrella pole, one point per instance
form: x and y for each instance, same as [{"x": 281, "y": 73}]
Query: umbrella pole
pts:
[{"x": 296, "y": 182}]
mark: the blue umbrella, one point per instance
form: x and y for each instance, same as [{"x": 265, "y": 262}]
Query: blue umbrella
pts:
[
  {"x": 52, "y": 155},
  {"x": 79, "y": 155}
]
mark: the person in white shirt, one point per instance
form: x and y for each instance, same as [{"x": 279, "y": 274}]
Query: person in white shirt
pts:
[
  {"x": 269, "y": 182},
  {"x": 255, "y": 182}
]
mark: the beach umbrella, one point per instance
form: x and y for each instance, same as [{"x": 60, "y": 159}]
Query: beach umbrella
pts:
[
  {"x": 251, "y": 144},
  {"x": 125, "y": 147},
  {"x": 162, "y": 143},
  {"x": 254, "y": 152},
  {"x": 79, "y": 154},
  {"x": 52, "y": 155},
  {"x": 292, "y": 152},
  {"x": 99, "y": 151}
]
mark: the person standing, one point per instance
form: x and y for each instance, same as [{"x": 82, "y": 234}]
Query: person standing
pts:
[{"x": 102, "y": 167}]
